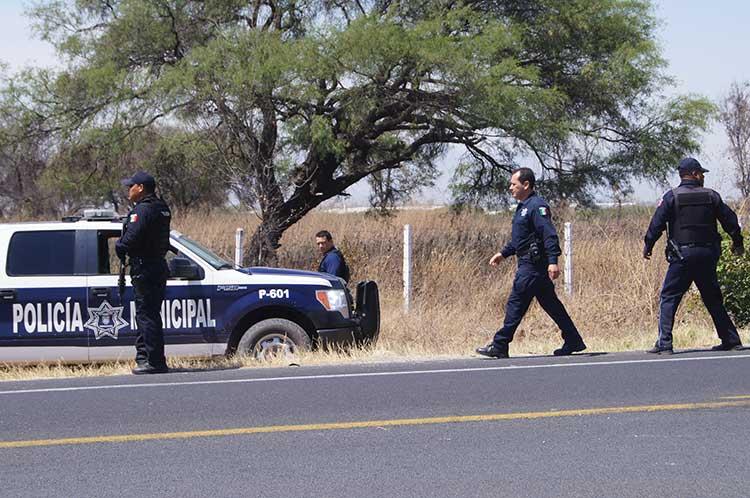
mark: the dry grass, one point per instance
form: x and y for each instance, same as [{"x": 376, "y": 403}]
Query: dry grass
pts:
[{"x": 458, "y": 300}]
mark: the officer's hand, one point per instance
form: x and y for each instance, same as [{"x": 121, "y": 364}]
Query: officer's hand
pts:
[
  {"x": 646, "y": 254},
  {"x": 496, "y": 259},
  {"x": 738, "y": 250},
  {"x": 553, "y": 271}
]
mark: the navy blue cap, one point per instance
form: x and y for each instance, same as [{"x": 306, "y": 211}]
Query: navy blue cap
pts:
[
  {"x": 689, "y": 165},
  {"x": 140, "y": 178}
]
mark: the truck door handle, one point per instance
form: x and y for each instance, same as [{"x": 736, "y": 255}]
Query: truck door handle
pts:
[
  {"x": 8, "y": 294},
  {"x": 100, "y": 292}
]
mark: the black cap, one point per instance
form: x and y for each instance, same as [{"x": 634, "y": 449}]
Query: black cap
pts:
[
  {"x": 140, "y": 178},
  {"x": 689, "y": 165}
]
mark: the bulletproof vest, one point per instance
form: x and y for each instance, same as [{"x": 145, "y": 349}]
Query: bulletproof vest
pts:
[
  {"x": 156, "y": 226},
  {"x": 694, "y": 216}
]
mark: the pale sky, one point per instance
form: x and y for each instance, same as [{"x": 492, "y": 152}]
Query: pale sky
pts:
[{"x": 706, "y": 44}]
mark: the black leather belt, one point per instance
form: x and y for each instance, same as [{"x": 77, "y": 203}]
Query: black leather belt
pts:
[{"x": 698, "y": 244}]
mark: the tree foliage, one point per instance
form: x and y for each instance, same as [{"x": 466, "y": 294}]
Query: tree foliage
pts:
[
  {"x": 302, "y": 99},
  {"x": 734, "y": 277}
]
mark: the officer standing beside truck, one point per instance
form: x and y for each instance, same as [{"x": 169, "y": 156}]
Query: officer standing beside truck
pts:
[
  {"x": 145, "y": 241},
  {"x": 689, "y": 213},
  {"x": 535, "y": 244}
]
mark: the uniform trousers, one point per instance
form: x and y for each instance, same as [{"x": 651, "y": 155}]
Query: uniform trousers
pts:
[
  {"x": 698, "y": 265},
  {"x": 532, "y": 281},
  {"x": 149, "y": 283}
]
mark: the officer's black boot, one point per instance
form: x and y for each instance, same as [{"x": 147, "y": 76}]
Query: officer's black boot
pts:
[
  {"x": 568, "y": 349},
  {"x": 727, "y": 347},
  {"x": 657, "y": 349},
  {"x": 147, "y": 368},
  {"x": 492, "y": 350}
]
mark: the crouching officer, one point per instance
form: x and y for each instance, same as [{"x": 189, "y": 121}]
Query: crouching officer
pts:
[
  {"x": 535, "y": 243},
  {"x": 689, "y": 213},
  {"x": 145, "y": 239}
]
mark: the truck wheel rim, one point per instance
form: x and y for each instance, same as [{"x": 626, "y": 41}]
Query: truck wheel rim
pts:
[{"x": 274, "y": 345}]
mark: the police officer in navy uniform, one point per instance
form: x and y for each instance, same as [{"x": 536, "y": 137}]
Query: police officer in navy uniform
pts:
[
  {"x": 535, "y": 243},
  {"x": 689, "y": 213},
  {"x": 333, "y": 261},
  {"x": 145, "y": 240}
]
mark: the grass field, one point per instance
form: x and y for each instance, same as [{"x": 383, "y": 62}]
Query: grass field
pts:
[{"x": 458, "y": 299}]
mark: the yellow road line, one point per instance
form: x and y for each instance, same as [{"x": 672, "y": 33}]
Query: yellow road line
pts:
[
  {"x": 743, "y": 396},
  {"x": 124, "y": 438}
]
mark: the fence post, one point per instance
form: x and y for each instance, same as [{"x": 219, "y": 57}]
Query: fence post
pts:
[
  {"x": 568, "y": 277},
  {"x": 239, "y": 234},
  {"x": 407, "y": 268}
]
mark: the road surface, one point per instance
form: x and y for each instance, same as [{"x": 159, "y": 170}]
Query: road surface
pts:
[{"x": 591, "y": 425}]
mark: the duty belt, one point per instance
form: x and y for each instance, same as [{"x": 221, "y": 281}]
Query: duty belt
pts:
[
  {"x": 697, "y": 244},
  {"x": 146, "y": 259}
]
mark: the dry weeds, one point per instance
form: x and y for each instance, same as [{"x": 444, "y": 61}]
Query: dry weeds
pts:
[{"x": 458, "y": 300}]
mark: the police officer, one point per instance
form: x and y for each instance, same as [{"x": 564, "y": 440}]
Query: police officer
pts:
[
  {"x": 536, "y": 246},
  {"x": 333, "y": 261},
  {"x": 689, "y": 213},
  {"x": 145, "y": 239}
]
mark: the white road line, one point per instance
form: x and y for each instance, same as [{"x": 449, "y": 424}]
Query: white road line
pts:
[{"x": 375, "y": 374}]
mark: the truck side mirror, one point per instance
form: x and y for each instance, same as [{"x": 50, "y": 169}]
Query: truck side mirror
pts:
[{"x": 184, "y": 269}]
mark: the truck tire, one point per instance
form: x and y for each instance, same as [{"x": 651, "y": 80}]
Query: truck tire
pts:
[{"x": 271, "y": 337}]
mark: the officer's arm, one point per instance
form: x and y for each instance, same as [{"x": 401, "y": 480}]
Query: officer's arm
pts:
[
  {"x": 136, "y": 229},
  {"x": 658, "y": 222},
  {"x": 509, "y": 250},
  {"x": 729, "y": 221},
  {"x": 542, "y": 219}
]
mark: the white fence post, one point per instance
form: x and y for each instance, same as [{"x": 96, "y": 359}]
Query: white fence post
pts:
[
  {"x": 568, "y": 258},
  {"x": 239, "y": 234},
  {"x": 407, "y": 268}
]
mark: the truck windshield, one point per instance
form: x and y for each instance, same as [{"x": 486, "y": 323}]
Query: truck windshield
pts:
[{"x": 202, "y": 252}]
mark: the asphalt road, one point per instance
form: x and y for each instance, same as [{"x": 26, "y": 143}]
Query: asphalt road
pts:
[{"x": 590, "y": 425}]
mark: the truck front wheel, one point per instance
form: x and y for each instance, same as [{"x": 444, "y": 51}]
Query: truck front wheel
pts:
[{"x": 273, "y": 337}]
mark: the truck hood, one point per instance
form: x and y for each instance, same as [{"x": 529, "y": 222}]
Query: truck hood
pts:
[{"x": 286, "y": 272}]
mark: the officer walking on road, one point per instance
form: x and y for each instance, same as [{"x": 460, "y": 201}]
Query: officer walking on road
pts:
[
  {"x": 145, "y": 239},
  {"x": 535, "y": 243},
  {"x": 689, "y": 213},
  {"x": 333, "y": 261}
]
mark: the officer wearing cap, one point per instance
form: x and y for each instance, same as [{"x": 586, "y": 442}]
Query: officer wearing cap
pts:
[
  {"x": 689, "y": 214},
  {"x": 536, "y": 246},
  {"x": 145, "y": 240}
]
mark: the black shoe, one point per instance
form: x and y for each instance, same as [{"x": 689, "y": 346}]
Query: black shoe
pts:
[
  {"x": 660, "y": 350},
  {"x": 145, "y": 368},
  {"x": 493, "y": 351},
  {"x": 569, "y": 349},
  {"x": 727, "y": 347}
]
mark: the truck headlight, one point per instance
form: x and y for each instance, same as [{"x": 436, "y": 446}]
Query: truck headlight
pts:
[{"x": 334, "y": 300}]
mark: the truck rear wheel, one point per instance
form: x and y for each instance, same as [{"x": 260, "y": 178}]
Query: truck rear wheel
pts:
[{"x": 273, "y": 337}]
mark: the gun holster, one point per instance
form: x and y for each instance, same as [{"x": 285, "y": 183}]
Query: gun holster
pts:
[
  {"x": 672, "y": 252},
  {"x": 535, "y": 252}
]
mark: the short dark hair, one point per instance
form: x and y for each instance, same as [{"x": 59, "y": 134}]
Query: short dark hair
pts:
[
  {"x": 149, "y": 188},
  {"x": 525, "y": 175},
  {"x": 324, "y": 233}
]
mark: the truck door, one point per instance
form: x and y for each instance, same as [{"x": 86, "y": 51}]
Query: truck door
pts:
[{"x": 43, "y": 295}]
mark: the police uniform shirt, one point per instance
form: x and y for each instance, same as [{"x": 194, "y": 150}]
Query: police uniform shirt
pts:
[
  {"x": 665, "y": 215},
  {"x": 332, "y": 263},
  {"x": 146, "y": 229},
  {"x": 533, "y": 221}
]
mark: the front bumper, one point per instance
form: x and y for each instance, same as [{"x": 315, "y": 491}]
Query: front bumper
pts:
[{"x": 344, "y": 336}]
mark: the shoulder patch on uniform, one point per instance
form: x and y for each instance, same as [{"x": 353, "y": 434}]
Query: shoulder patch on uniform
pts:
[
  {"x": 543, "y": 211},
  {"x": 133, "y": 217}
]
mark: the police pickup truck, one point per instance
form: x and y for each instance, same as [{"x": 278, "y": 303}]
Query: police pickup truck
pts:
[{"x": 59, "y": 299}]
